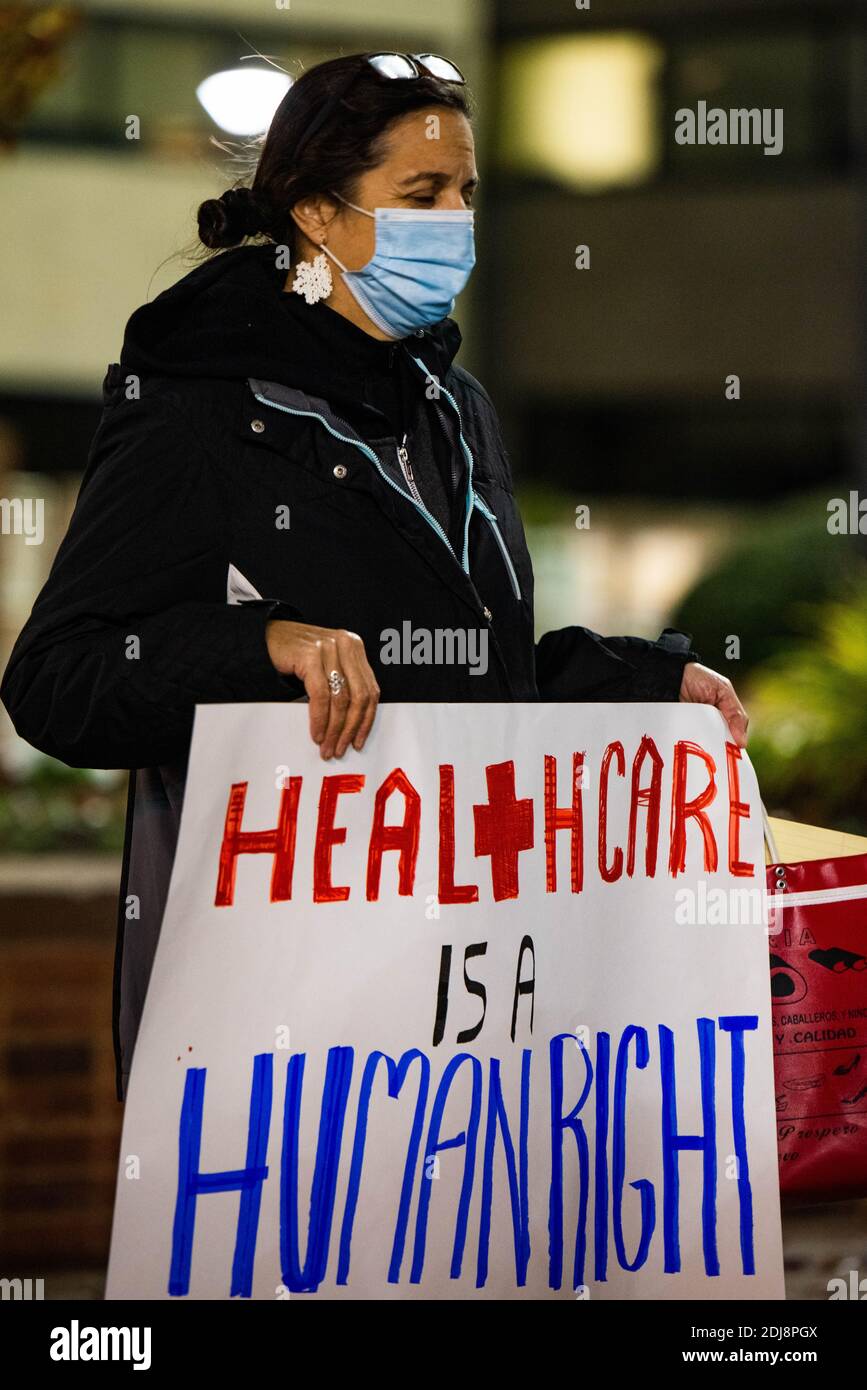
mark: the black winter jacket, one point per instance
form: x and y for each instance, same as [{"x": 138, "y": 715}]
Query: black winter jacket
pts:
[{"x": 246, "y": 467}]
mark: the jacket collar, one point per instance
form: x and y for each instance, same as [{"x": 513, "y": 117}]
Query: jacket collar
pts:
[{"x": 231, "y": 318}]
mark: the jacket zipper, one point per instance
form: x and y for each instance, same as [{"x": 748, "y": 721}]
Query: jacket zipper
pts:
[
  {"x": 374, "y": 459},
  {"x": 414, "y": 496},
  {"x": 406, "y": 469},
  {"x": 467, "y": 455},
  {"x": 455, "y": 469},
  {"x": 473, "y": 498},
  {"x": 491, "y": 519}
]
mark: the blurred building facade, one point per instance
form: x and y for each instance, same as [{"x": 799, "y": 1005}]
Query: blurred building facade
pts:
[{"x": 701, "y": 261}]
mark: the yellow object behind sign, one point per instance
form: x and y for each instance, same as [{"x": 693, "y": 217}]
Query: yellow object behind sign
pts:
[{"x": 796, "y": 842}]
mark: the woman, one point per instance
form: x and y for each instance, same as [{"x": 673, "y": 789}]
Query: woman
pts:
[{"x": 290, "y": 470}]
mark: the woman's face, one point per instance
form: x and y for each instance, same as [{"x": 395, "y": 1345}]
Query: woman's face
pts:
[{"x": 428, "y": 162}]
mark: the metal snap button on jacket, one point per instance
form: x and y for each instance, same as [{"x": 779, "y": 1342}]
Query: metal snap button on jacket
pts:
[
  {"x": 340, "y": 470},
  {"x": 257, "y": 426}
]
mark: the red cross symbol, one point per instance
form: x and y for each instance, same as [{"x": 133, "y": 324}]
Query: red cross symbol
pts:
[{"x": 503, "y": 828}]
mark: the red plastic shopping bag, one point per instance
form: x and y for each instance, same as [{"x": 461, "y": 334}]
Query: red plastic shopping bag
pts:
[{"x": 817, "y": 926}]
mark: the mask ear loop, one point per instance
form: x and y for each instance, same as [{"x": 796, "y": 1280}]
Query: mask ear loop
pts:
[
  {"x": 323, "y": 247},
  {"x": 355, "y": 208}
]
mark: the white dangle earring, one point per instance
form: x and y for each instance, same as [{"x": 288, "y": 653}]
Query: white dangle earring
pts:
[{"x": 313, "y": 279}]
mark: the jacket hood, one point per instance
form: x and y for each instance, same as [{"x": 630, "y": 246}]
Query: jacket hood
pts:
[{"x": 230, "y": 318}]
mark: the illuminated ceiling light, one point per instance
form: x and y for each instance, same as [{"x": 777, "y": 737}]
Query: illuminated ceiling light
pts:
[
  {"x": 242, "y": 101},
  {"x": 582, "y": 109}
]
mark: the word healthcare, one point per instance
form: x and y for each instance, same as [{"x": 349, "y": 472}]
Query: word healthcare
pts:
[
  {"x": 425, "y": 1025},
  {"x": 505, "y": 826}
]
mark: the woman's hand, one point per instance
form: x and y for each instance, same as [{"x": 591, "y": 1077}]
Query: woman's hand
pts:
[
  {"x": 312, "y": 654},
  {"x": 701, "y": 686}
]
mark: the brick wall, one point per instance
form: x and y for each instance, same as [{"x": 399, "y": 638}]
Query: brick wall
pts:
[{"x": 59, "y": 1119}]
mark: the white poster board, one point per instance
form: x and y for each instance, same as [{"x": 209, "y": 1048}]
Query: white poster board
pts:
[{"x": 480, "y": 1012}]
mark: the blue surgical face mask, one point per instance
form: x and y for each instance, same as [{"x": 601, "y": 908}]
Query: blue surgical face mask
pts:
[{"x": 421, "y": 261}]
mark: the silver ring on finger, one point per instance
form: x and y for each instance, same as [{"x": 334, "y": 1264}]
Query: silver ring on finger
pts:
[{"x": 336, "y": 682}]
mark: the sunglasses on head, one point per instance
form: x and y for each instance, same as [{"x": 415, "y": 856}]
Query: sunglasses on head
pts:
[
  {"x": 398, "y": 66},
  {"x": 407, "y": 65}
]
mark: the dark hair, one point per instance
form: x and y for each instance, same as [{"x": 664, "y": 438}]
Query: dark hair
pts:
[{"x": 293, "y": 165}]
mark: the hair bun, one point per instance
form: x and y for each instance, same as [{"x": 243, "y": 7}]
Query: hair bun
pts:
[{"x": 227, "y": 220}]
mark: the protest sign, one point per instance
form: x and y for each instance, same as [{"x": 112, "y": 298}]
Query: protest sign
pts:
[{"x": 480, "y": 1012}]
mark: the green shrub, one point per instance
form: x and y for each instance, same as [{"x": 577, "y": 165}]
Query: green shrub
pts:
[
  {"x": 808, "y": 709},
  {"x": 781, "y": 560}
]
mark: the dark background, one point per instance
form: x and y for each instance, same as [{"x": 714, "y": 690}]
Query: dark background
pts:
[{"x": 705, "y": 512}]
